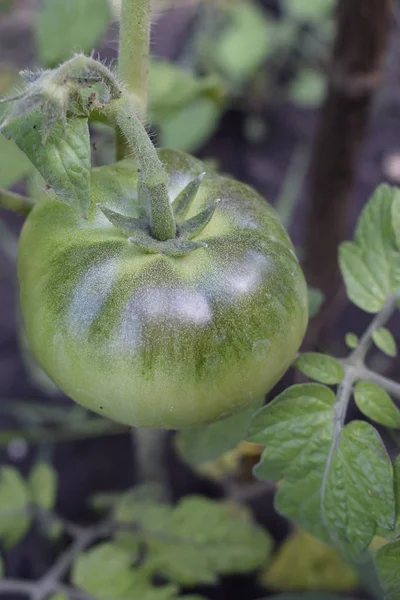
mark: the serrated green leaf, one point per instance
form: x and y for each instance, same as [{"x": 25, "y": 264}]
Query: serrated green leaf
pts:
[
  {"x": 14, "y": 504},
  {"x": 204, "y": 539},
  {"x": 359, "y": 499},
  {"x": 200, "y": 445},
  {"x": 376, "y": 404},
  {"x": 387, "y": 560},
  {"x": 308, "y": 89},
  {"x": 43, "y": 485},
  {"x": 371, "y": 265},
  {"x": 315, "y": 301},
  {"x": 337, "y": 481},
  {"x": 351, "y": 340},
  {"x": 362, "y": 289},
  {"x": 321, "y": 367},
  {"x": 385, "y": 341},
  {"x": 64, "y": 162},
  {"x": 62, "y": 28}
]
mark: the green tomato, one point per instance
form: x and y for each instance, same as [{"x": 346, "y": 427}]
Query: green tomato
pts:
[{"x": 154, "y": 340}]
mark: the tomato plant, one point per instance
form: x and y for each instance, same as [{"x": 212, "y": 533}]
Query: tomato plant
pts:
[{"x": 160, "y": 294}]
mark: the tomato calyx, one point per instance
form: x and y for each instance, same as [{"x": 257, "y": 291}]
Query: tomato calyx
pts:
[{"x": 139, "y": 230}]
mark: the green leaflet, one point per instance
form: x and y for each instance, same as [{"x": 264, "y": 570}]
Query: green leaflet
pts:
[
  {"x": 239, "y": 50},
  {"x": 321, "y": 367},
  {"x": 200, "y": 445},
  {"x": 43, "y": 485},
  {"x": 14, "y": 503},
  {"x": 315, "y": 301},
  {"x": 385, "y": 341},
  {"x": 337, "y": 482},
  {"x": 371, "y": 264},
  {"x": 387, "y": 560},
  {"x": 63, "y": 162},
  {"x": 106, "y": 571},
  {"x": 62, "y": 28},
  {"x": 308, "y": 88},
  {"x": 376, "y": 404},
  {"x": 351, "y": 340},
  {"x": 194, "y": 542}
]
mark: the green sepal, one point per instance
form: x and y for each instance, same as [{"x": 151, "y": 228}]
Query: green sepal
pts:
[
  {"x": 192, "y": 227},
  {"x": 123, "y": 222},
  {"x": 174, "y": 247},
  {"x": 185, "y": 198}
]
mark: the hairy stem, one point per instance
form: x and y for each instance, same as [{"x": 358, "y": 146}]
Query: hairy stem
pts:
[
  {"x": 134, "y": 48},
  {"x": 16, "y": 202},
  {"x": 390, "y": 386},
  {"x": 153, "y": 179}
]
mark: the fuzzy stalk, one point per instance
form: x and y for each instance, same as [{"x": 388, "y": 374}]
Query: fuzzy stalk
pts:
[
  {"x": 153, "y": 179},
  {"x": 16, "y": 202},
  {"x": 133, "y": 62}
]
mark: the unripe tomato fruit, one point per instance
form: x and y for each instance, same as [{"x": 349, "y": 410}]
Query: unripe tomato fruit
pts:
[{"x": 153, "y": 340}]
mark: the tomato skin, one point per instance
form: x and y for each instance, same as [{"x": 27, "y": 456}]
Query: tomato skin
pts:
[{"x": 152, "y": 340}]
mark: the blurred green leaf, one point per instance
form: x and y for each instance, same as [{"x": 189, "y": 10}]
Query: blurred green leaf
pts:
[
  {"x": 308, "y": 596},
  {"x": 351, "y": 340},
  {"x": 336, "y": 481},
  {"x": 308, "y": 12},
  {"x": 14, "y": 164},
  {"x": 321, "y": 367},
  {"x": 64, "y": 161},
  {"x": 43, "y": 481},
  {"x": 371, "y": 264},
  {"x": 243, "y": 44},
  {"x": 203, "y": 539},
  {"x": 387, "y": 561},
  {"x": 315, "y": 301},
  {"x": 14, "y": 504},
  {"x": 62, "y": 28},
  {"x": 304, "y": 563},
  {"x": 385, "y": 341},
  {"x": 396, "y": 218},
  {"x": 105, "y": 571},
  {"x": 376, "y": 404},
  {"x": 308, "y": 88},
  {"x": 172, "y": 88},
  {"x": 189, "y": 128},
  {"x": 200, "y": 445}
]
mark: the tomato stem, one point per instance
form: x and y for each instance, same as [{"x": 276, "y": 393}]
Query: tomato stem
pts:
[
  {"x": 16, "y": 202},
  {"x": 134, "y": 49},
  {"x": 153, "y": 179}
]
